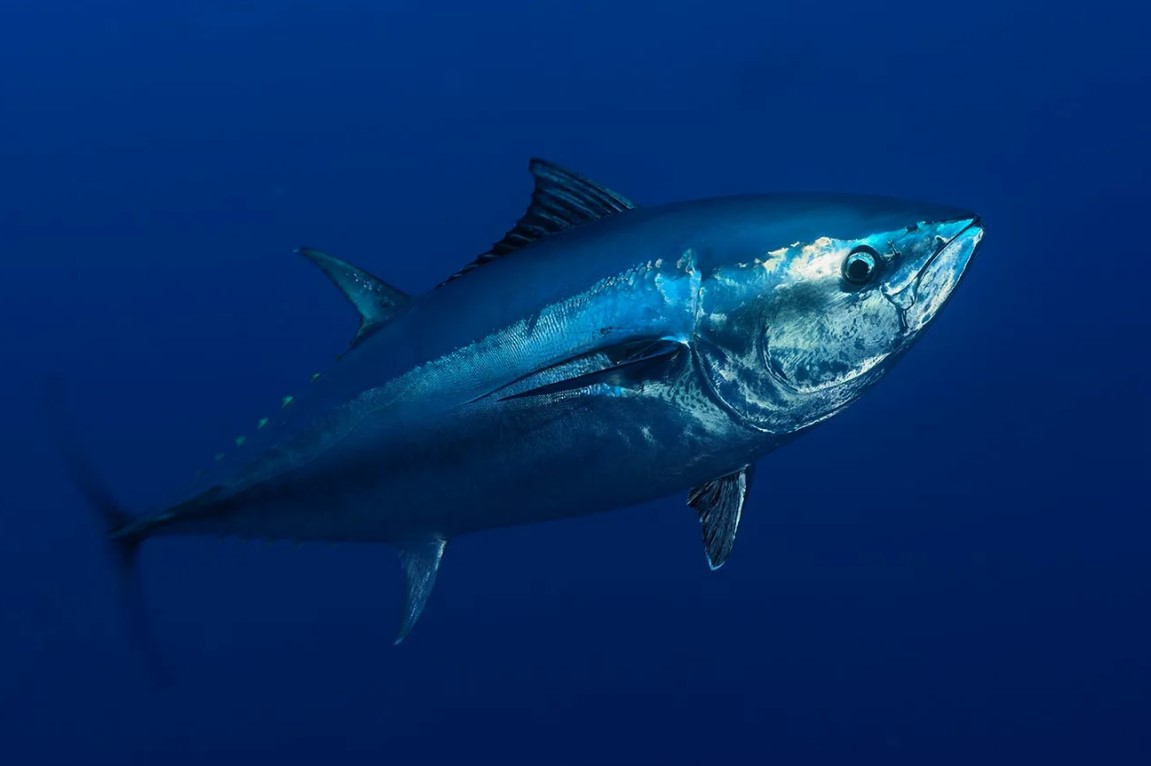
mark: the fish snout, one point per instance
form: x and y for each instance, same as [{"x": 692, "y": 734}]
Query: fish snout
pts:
[{"x": 934, "y": 278}]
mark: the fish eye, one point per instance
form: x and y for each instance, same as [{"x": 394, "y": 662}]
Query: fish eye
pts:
[{"x": 861, "y": 265}]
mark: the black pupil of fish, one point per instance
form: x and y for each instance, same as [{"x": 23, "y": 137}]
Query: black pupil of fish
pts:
[{"x": 859, "y": 269}]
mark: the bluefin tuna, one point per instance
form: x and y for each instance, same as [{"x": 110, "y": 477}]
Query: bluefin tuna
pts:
[{"x": 599, "y": 355}]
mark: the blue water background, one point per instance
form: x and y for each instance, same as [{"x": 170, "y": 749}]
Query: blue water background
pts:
[{"x": 954, "y": 570}]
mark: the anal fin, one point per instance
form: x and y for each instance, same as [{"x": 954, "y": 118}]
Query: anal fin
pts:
[
  {"x": 421, "y": 562},
  {"x": 719, "y": 504}
]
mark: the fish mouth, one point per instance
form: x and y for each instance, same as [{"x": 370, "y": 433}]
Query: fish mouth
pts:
[{"x": 940, "y": 274}]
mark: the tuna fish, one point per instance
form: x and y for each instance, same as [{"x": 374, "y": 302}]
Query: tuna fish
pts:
[{"x": 599, "y": 355}]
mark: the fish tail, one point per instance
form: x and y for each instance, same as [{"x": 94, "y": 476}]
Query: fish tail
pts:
[{"x": 122, "y": 533}]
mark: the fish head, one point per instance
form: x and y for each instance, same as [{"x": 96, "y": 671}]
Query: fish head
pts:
[{"x": 827, "y": 304}]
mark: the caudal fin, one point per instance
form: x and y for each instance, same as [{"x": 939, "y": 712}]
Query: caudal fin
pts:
[{"x": 116, "y": 526}]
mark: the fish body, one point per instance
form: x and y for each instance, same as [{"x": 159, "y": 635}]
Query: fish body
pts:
[{"x": 600, "y": 355}]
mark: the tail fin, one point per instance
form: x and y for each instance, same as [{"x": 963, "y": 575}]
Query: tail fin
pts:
[{"x": 115, "y": 525}]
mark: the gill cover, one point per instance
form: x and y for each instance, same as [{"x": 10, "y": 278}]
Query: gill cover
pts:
[{"x": 792, "y": 336}]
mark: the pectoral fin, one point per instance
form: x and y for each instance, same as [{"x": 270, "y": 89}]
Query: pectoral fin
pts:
[
  {"x": 626, "y": 365},
  {"x": 719, "y": 504},
  {"x": 420, "y": 561}
]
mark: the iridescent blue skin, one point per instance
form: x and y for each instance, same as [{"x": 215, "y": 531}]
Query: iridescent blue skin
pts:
[{"x": 410, "y": 437}]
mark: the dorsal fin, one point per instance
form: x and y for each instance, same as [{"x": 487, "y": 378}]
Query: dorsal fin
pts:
[
  {"x": 375, "y": 299},
  {"x": 420, "y": 561},
  {"x": 561, "y": 200}
]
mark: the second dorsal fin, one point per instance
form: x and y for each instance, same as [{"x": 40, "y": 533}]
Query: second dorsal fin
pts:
[
  {"x": 375, "y": 299},
  {"x": 561, "y": 200}
]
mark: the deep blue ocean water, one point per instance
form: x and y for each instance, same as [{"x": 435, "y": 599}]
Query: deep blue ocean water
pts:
[{"x": 979, "y": 596}]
